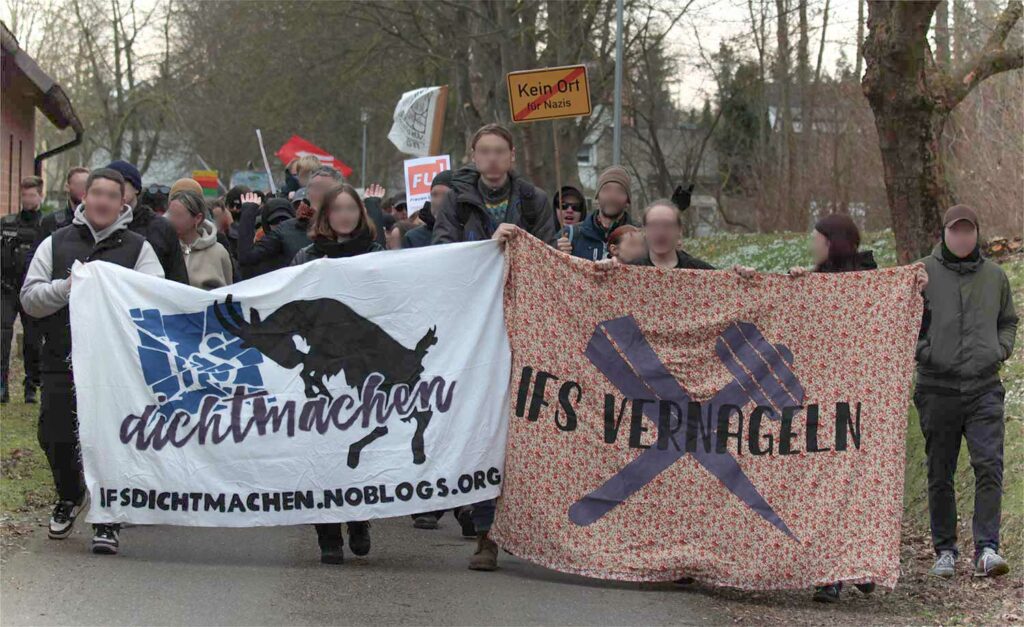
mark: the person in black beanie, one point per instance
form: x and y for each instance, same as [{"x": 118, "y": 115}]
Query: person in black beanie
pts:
[
  {"x": 422, "y": 235},
  {"x": 157, "y": 231}
]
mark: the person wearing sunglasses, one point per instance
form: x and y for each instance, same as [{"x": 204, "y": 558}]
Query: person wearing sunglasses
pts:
[
  {"x": 589, "y": 239},
  {"x": 155, "y": 197},
  {"x": 569, "y": 206}
]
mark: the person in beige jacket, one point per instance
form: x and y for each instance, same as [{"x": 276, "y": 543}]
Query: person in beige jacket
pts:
[{"x": 208, "y": 262}]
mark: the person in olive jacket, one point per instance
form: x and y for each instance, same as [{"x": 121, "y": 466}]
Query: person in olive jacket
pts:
[{"x": 967, "y": 333}]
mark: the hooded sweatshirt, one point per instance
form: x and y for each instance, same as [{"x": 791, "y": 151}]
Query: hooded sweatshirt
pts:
[
  {"x": 208, "y": 262},
  {"x": 42, "y": 295}
]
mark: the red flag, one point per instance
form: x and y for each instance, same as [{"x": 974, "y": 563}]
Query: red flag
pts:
[{"x": 299, "y": 147}]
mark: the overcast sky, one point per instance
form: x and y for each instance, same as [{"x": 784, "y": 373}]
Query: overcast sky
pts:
[
  {"x": 713, "y": 21},
  {"x": 729, "y": 20}
]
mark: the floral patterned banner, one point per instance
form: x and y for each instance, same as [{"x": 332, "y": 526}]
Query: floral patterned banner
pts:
[{"x": 670, "y": 423}]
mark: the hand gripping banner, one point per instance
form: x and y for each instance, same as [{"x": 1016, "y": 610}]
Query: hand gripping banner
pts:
[
  {"x": 669, "y": 424},
  {"x": 333, "y": 391}
]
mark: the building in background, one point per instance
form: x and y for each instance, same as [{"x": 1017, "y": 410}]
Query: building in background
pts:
[{"x": 24, "y": 88}]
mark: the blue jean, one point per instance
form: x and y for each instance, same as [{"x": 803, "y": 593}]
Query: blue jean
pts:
[{"x": 483, "y": 515}]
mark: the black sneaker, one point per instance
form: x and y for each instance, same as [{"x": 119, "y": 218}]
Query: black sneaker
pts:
[
  {"x": 828, "y": 594},
  {"x": 62, "y": 520},
  {"x": 425, "y": 521},
  {"x": 465, "y": 517},
  {"x": 30, "y": 394},
  {"x": 865, "y": 588},
  {"x": 104, "y": 542},
  {"x": 359, "y": 537},
  {"x": 332, "y": 554}
]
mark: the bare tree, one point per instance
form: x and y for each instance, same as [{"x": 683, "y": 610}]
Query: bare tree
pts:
[{"x": 912, "y": 98}]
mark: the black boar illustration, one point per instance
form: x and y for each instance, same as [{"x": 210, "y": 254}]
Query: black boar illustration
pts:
[{"x": 339, "y": 340}]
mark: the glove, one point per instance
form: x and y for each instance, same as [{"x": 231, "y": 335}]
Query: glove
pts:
[{"x": 681, "y": 197}]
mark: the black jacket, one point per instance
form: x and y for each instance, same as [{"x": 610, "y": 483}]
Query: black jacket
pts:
[
  {"x": 327, "y": 249},
  {"x": 463, "y": 217},
  {"x": 55, "y": 220},
  {"x": 865, "y": 260},
  {"x": 164, "y": 240},
  {"x": 19, "y": 241},
  {"x": 684, "y": 262},
  {"x": 275, "y": 249},
  {"x": 418, "y": 237}
]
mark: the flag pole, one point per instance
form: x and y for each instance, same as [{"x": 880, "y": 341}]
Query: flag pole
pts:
[{"x": 266, "y": 164}]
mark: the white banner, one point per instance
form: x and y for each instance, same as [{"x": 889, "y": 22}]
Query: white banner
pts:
[
  {"x": 311, "y": 394},
  {"x": 413, "y": 127}
]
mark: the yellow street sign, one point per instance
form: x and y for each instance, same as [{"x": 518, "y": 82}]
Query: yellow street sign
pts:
[{"x": 549, "y": 93}]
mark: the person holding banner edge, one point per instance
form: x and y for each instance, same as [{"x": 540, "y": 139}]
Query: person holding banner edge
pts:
[
  {"x": 488, "y": 200},
  {"x": 99, "y": 233}
]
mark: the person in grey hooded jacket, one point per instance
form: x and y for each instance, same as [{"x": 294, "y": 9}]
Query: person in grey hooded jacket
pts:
[
  {"x": 98, "y": 232},
  {"x": 208, "y": 262}
]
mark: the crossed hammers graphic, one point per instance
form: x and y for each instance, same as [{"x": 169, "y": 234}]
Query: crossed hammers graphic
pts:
[{"x": 761, "y": 373}]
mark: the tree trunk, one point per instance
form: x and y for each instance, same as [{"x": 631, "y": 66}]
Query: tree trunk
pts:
[
  {"x": 911, "y": 97},
  {"x": 914, "y": 183}
]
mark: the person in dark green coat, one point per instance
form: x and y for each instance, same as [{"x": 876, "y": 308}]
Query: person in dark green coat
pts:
[{"x": 967, "y": 333}]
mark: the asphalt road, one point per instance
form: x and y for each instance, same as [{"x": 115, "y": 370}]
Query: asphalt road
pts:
[{"x": 272, "y": 576}]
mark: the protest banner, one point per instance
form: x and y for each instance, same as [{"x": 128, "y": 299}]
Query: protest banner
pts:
[
  {"x": 419, "y": 121},
  {"x": 671, "y": 423},
  {"x": 306, "y": 395},
  {"x": 419, "y": 174},
  {"x": 298, "y": 147}
]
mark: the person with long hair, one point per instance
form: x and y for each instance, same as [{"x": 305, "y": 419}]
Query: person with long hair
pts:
[
  {"x": 835, "y": 247},
  {"x": 342, "y": 228},
  {"x": 207, "y": 261}
]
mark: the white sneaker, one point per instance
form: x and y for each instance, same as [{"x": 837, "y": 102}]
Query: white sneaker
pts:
[
  {"x": 64, "y": 515},
  {"x": 990, "y": 564}
]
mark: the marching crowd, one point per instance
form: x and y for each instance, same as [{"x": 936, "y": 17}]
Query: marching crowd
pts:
[{"x": 967, "y": 331}]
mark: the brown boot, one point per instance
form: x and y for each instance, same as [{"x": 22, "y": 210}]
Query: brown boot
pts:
[{"x": 486, "y": 555}]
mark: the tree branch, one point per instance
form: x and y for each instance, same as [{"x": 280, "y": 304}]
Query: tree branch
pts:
[{"x": 992, "y": 59}]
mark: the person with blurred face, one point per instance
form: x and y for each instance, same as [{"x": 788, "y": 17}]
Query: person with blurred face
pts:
[
  {"x": 663, "y": 227},
  {"x": 626, "y": 244},
  {"x": 967, "y": 333},
  {"x": 342, "y": 228},
  {"x": 488, "y": 200},
  {"x": 423, "y": 234},
  {"x": 590, "y": 239},
  {"x": 147, "y": 223},
  {"x": 278, "y": 246},
  {"x": 74, "y": 188},
  {"x": 99, "y": 233},
  {"x": 21, "y": 235},
  {"x": 208, "y": 262},
  {"x": 488, "y": 194}
]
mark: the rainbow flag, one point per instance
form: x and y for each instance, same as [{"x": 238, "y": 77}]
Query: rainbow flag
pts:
[{"x": 207, "y": 179}]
